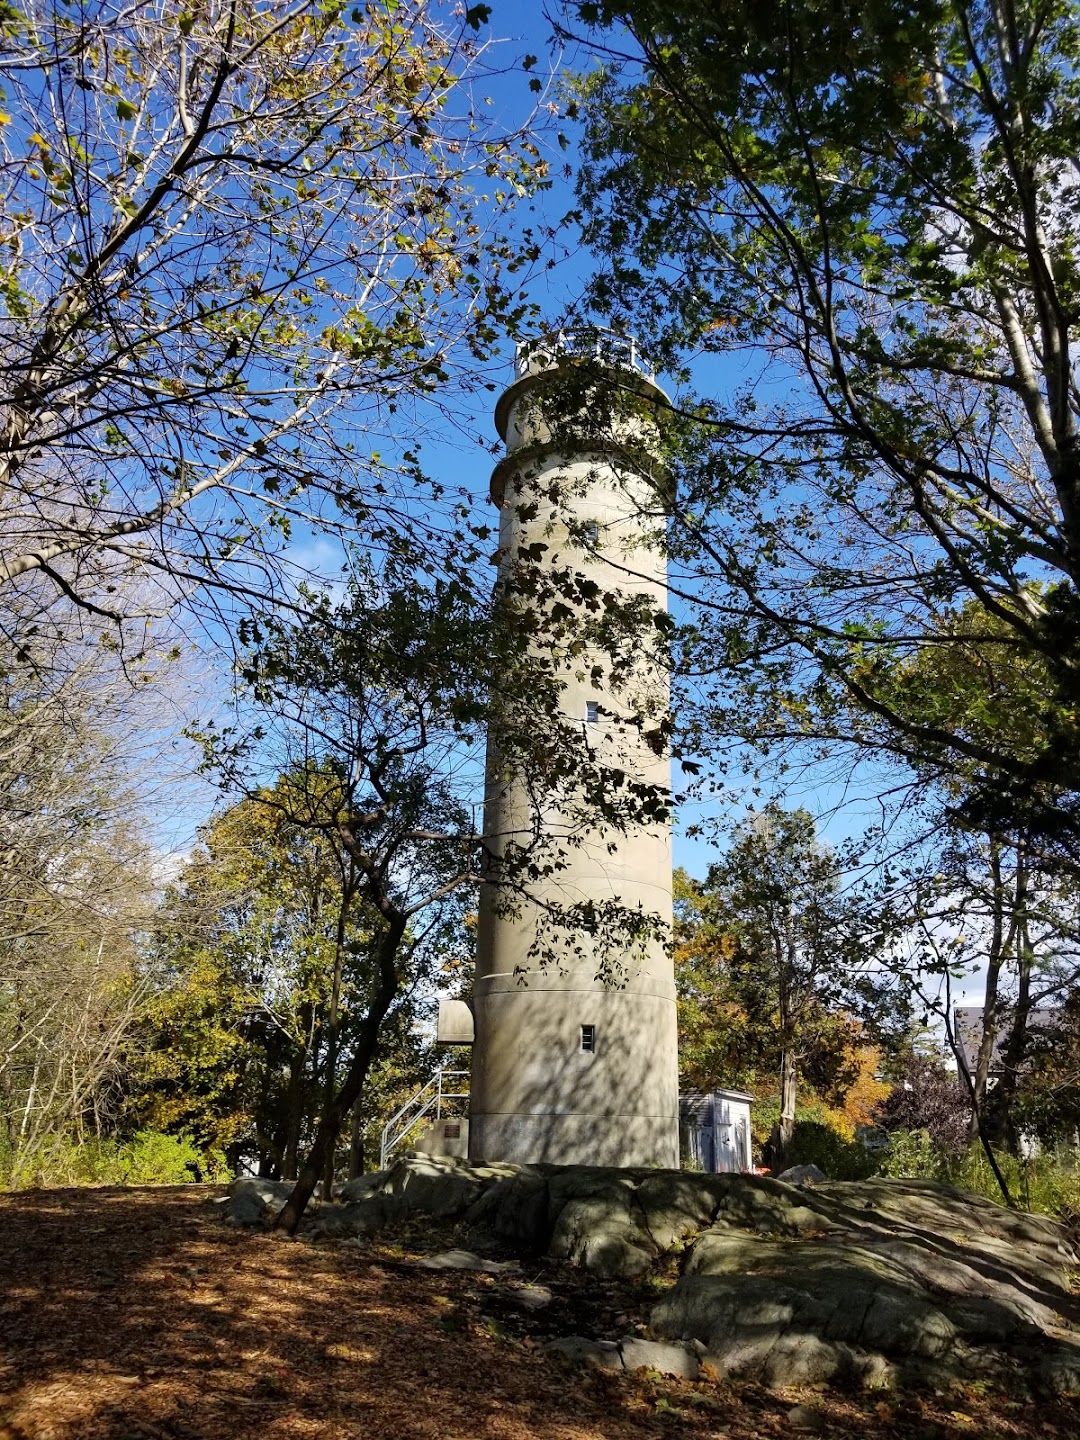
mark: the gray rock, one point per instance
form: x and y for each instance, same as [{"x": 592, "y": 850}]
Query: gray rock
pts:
[
  {"x": 358, "y": 1220},
  {"x": 601, "y": 1354},
  {"x": 724, "y": 1250},
  {"x": 1034, "y": 1243},
  {"x": 614, "y": 1258},
  {"x": 247, "y": 1208},
  {"x": 529, "y": 1297},
  {"x": 270, "y": 1192},
  {"x": 604, "y": 1189},
  {"x": 790, "y": 1313},
  {"x": 676, "y": 1204},
  {"x": 771, "y": 1207},
  {"x": 595, "y": 1224},
  {"x": 515, "y": 1209},
  {"x": 801, "y": 1358},
  {"x": 362, "y": 1186},
  {"x": 866, "y": 1282},
  {"x": 465, "y": 1260},
  {"x": 803, "y": 1175},
  {"x": 253, "y": 1200},
  {"x": 661, "y": 1356},
  {"x": 904, "y": 1322},
  {"x": 1059, "y": 1369},
  {"x": 433, "y": 1185},
  {"x": 800, "y": 1417},
  {"x": 874, "y": 1372}
]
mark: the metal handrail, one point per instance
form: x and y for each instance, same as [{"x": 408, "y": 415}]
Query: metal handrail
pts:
[
  {"x": 608, "y": 347},
  {"x": 419, "y": 1106}
]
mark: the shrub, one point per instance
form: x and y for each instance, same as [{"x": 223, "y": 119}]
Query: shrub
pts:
[
  {"x": 148, "y": 1158},
  {"x": 912, "y": 1155},
  {"x": 927, "y": 1097},
  {"x": 151, "y": 1158},
  {"x": 816, "y": 1143},
  {"x": 822, "y": 1136},
  {"x": 1044, "y": 1183},
  {"x": 1048, "y": 1184}
]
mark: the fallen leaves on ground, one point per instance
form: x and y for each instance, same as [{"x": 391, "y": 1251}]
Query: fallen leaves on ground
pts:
[{"x": 136, "y": 1314}]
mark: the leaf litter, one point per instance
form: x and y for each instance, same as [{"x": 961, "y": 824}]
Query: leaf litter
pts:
[{"x": 136, "y": 1314}]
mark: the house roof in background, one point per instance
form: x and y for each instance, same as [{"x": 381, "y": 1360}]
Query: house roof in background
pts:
[{"x": 968, "y": 1024}]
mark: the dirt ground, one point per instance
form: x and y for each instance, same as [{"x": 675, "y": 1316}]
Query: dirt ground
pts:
[{"x": 138, "y": 1315}]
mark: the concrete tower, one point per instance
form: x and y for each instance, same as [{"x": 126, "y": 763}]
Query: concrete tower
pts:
[{"x": 567, "y": 1068}]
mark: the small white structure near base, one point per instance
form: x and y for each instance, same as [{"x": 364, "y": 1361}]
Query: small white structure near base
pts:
[{"x": 714, "y": 1130}]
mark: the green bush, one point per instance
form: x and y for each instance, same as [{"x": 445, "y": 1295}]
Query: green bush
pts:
[
  {"x": 151, "y": 1158},
  {"x": 912, "y": 1155},
  {"x": 816, "y": 1140},
  {"x": 1048, "y": 1184},
  {"x": 815, "y": 1143},
  {"x": 148, "y": 1158}
]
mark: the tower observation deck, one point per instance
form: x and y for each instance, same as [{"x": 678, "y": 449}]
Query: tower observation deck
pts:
[{"x": 575, "y": 1050}]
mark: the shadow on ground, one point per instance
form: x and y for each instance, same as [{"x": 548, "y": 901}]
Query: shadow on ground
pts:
[{"x": 139, "y": 1315}]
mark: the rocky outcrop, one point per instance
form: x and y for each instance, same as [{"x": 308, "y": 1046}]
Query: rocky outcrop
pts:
[
  {"x": 593, "y": 1221},
  {"x": 863, "y": 1282},
  {"x": 860, "y": 1281}
]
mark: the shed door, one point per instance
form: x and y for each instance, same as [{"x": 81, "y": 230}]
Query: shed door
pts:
[{"x": 727, "y": 1157}]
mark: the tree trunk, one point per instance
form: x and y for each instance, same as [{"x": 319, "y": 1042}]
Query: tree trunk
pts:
[
  {"x": 786, "y": 949},
  {"x": 333, "y": 1025},
  {"x": 334, "y": 1115},
  {"x": 789, "y": 1087},
  {"x": 356, "y": 1142},
  {"x": 294, "y": 1098},
  {"x": 998, "y": 946},
  {"x": 1013, "y": 1058},
  {"x": 780, "y": 1140},
  {"x": 968, "y": 1082}
]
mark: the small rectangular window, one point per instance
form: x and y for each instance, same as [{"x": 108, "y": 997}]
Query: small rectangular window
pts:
[
  {"x": 592, "y": 533},
  {"x": 588, "y": 1039},
  {"x": 592, "y": 712}
]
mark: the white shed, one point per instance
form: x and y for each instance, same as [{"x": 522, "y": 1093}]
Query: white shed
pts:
[{"x": 715, "y": 1130}]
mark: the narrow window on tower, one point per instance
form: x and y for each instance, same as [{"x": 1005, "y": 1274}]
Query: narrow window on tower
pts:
[
  {"x": 592, "y": 534},
  {"x": 592, "y": 712},
  {"x": 588, "y": 1039}
]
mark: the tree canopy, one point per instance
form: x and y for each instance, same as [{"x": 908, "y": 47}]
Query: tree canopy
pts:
[
  {"x": 873, "y": 208},
  {"x": 238, "y": 237}
]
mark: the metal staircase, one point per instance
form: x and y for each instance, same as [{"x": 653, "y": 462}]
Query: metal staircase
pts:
[{"x": 436, "y": 1099}]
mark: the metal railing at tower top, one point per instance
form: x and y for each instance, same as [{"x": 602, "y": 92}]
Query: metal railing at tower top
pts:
[
  {"x": 436, "y": 1096},
  {"x": 605, "y": 347}
]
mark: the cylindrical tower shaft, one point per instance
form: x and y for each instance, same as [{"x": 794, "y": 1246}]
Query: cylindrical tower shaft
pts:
[{"x": 575, "y": 1050}]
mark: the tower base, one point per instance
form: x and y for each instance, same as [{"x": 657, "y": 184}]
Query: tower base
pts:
[{"x": 626, "y": 1141}]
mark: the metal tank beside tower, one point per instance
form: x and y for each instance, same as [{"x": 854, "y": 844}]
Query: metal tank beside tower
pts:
[{"x": 566, "y": 1068}]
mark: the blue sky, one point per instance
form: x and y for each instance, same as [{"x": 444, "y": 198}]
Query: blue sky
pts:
[
  {"x": 464, "y": 459},
  {"x": 458, "y": 450}
]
